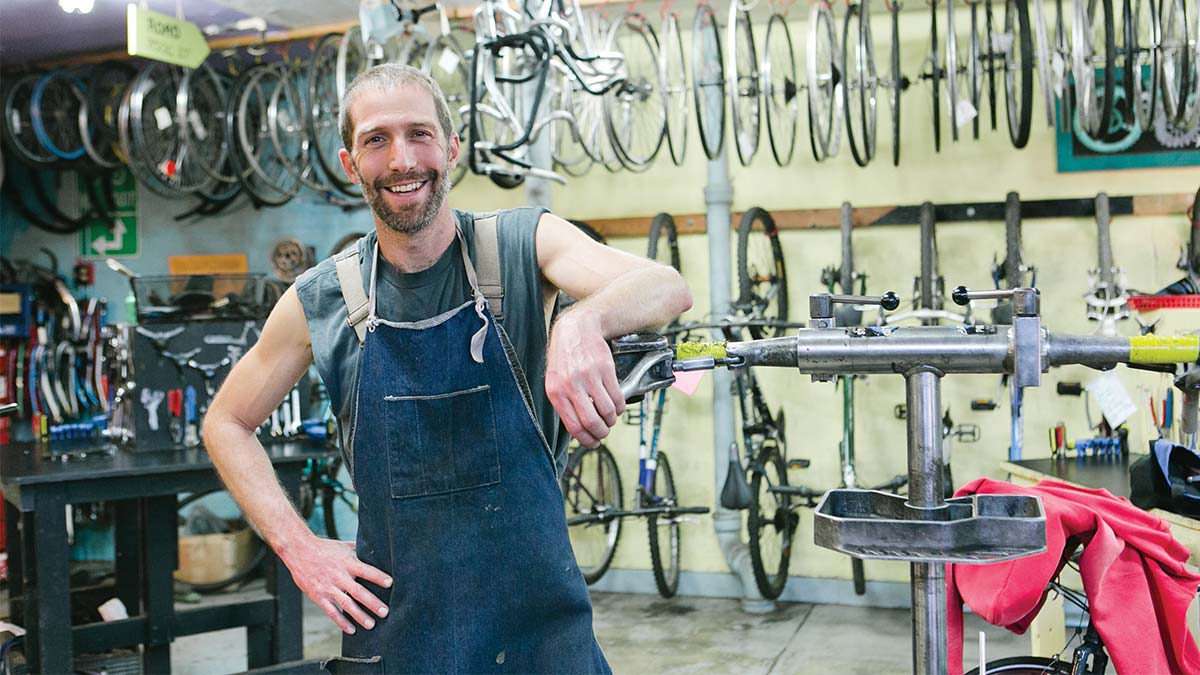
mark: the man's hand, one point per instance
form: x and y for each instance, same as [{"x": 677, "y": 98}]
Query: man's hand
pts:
[
  {"x": 581, "y": 380},
  {"x": 327, "y": 571}
]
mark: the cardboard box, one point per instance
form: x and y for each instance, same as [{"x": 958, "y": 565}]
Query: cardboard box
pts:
[{"x": 205, "y": 558}]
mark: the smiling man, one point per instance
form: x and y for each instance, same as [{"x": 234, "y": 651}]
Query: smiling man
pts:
[{"x": 431, "y": 338}]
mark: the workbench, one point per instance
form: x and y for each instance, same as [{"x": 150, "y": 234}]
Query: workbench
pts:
[{"x": 142, "y": 488}]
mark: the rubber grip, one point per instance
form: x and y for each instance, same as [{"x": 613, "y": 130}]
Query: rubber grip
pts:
[{"x": 1164, "y": 349}]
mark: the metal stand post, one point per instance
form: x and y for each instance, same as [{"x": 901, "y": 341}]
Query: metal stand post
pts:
[{"x": 925, "y": 479}]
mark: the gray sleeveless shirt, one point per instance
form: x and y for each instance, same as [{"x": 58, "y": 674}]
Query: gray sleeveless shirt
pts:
[{"x": 425, "y": 294}]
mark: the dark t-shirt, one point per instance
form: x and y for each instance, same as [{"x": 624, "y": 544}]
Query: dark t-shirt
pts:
[{"x": 428, "y": 293}]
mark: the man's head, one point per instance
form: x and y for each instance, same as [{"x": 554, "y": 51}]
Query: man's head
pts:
[{"x": 400, "y": 144}]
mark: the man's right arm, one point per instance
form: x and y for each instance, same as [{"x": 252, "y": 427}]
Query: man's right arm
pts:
[{"x": 327, "y": 571}]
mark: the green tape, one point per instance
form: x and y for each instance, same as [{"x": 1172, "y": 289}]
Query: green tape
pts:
[
  {"x": 691, "y": 350},
  {"x": 1164, "y": 349}
]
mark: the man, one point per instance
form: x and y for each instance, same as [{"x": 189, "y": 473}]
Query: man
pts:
[{"x": 462, "y": 562}]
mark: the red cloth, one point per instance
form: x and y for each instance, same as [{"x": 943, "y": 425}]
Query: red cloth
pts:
[{"x": 1133, "y": 572}]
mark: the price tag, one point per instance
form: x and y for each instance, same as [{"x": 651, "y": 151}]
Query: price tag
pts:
[
  {"x": 964, "y": 112},
  {"x": 1113, "y": 398},
  {"x": 162, "y": 117},
  {"x": 198, "y": 129},
  {"x": 448, "y": 61}
]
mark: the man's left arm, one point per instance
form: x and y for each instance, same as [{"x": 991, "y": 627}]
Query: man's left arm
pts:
[{"x": 618, "y": 293}]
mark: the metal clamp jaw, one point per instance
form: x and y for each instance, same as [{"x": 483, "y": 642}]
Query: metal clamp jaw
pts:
[
  {"x": 1026, "y": 332},
  {"x": 643, "y": 362},
  {"x": 821, "y": 312}
]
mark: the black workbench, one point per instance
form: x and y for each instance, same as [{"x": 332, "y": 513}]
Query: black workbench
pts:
[
  {"x": 143, "y": 488},
  {"x": 1109, "y": 473}
]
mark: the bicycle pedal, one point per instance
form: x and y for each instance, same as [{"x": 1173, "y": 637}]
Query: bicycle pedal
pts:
[{"x": 794, "y": 464}]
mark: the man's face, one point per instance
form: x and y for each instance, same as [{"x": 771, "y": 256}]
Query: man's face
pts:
[{"x": 400, "y": 157}]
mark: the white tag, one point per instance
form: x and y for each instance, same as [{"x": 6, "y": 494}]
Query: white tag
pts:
[
  {"x": 16, "y": 122},
  {"x": 448, "y": 61},
  {"x": 197, "y": 126},
  {"x": 162, "y": 117},
  {"x": 1112, "y": 397},
  {"x": 113, "y": 610},
  {"x": 964, "y": 112},
  {"x": 1059, "y": 66}
]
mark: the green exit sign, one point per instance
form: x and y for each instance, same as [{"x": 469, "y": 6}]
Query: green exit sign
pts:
[{"x": 165, "y": 38}]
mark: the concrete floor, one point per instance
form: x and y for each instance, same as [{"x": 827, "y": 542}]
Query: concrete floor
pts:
[{"x": 646, "y": 634}]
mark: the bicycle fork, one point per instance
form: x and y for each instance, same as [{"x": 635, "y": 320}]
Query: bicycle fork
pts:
[{"x": 648, "y": 454}]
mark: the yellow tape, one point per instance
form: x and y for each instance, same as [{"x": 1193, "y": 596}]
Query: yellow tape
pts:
[
  {"x": 1159, "y": 349},
  {"x": 690, "y": 350}
]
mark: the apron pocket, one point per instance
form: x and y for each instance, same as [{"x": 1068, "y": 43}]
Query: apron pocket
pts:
[{"x": 441, "y": 443}]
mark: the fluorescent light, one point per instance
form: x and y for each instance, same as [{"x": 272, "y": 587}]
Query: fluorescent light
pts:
[{"x": 77, "y": 6}]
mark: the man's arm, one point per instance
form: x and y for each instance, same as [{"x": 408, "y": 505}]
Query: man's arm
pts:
[
  {"x": 618, "y": 294},
  {"x": 325, "y": 570}
]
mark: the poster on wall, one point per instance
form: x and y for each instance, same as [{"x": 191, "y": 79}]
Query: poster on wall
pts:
[
  {"x": 1148, "y": 138},
  {"x": 101, "y": 238}
]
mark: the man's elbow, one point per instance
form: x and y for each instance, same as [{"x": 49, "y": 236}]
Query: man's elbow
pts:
[{"x": 677, "y": 295}]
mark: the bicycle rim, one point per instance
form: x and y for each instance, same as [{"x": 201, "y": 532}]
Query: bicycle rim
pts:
[
  {"x": 663, "y": 243},
  {"x": 1018, "y": 72},
  {"x": 351, "y": 60},
  {"x": 743, "y": 83},
  {"x": 762, "y": 279},
  {"x": 1092, "y": 48},
  {"x": 975, "y": 67},
  {"x": 935, "y": 76},
  {"x": 1041, "y": 47},
  {"x": 708, "y": 80},
  {"x": 1174, "y": 61},
  {"x": 156, "y": 141},
  {"x": 673, "y": 79},
  {"x": 55, "y": 111},
  {"x": 664, "y": 531},
  {"x": 991, "y": 55},
  {"x": 634, "y": 111},
  {"x": 18, "y": 123},
  {"x": 1145, "y": 35},
  {"x": 268, "y": 177},
  {"x": 446, "y": 63},
  {"x": 106, "y": 85},
  {"x": 592, "y": 485},
  {"x": 322, "y": 117},
  {"x": 952, "y": 68},
  {"x": 898, "y": 86},
  {"x": 770, "y": 524},
  {"x": 824, "y": 82},
  {"x": 204, "y": 101}
]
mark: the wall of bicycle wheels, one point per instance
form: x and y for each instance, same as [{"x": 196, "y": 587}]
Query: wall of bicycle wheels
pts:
[{"x": 966, "y": 171}]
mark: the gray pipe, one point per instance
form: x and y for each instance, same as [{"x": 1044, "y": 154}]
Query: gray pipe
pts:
[
  {"x": 718, "y": 200},
  {"x": 925, "y": 477}
]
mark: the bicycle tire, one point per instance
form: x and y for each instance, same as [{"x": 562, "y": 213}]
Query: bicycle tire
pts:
[
  {"x": 352, "y": 59},
  {"x": 18, "y": 123},
  {"x": 744, "y": 100},
  {"x": 663, "y": 244},
  {"x": 952, "y": 72},
  {"x": 750, "y": 300},
  {"x": 666, "y": 569},
  {"x": 264, "y": 176},
  {"x": 708, "y": 80},
  {"x": 824, "y": 88},
  {"x": 202, "y": 110},
  {"x": 339, "y": 501},
  {"x": 1018, "y": 63},
  {"x": 446, "y": 63},
  {"x": 1174, "y": 62},
  {"x": 1146, "y": 34},
  {"x": 672, "y": 67},
  {"x": 975, "y": 70},
  {"x": 781, "y": 90},
  {"x": 247, "y": 570},
  {"x": 770, "y": 567},
  {"x": 935, "y": 76},
  {"x": 1094, "y": 106},
  {"x": 324, "y": 104},
  {"x": 899, "y": 84},
  {"x": 55, "y": 109},
  {"x": 990, "y": 27},
  {"x": 858, "y": 101},
  {"x": 106, "y": 85},
  {"x": 1025, "y": 665},
  {"x": 608, "y": 487}
]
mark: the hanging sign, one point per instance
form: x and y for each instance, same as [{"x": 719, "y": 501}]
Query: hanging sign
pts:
[{"x": 165, "y": 38}]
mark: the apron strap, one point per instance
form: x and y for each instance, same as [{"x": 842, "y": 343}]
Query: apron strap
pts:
[
  {"x": 481, "y": 301},
  {"x": 487, "y": 248},
  {"x": 350, "y": 279}
]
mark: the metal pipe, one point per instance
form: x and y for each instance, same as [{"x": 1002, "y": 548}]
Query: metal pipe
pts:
[
  {"x": 718, "y": 201},
  {"x": 1093, "y": 351},
  {"x": 925, "y": 485}
]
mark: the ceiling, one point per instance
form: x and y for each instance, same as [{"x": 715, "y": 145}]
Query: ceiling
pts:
[{"x": 33, "y": 30}]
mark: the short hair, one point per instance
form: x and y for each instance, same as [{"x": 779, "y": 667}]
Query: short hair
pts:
[{"x": 385, "y": 77}]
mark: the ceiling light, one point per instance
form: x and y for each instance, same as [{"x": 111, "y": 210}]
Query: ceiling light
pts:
[{"x": 77, "y": 6}]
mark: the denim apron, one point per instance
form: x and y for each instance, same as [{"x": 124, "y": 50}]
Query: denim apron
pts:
[{"x": 459, "y": 503}]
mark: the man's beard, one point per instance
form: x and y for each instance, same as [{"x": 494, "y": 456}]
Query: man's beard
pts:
[{"x": 414, "y": 218}]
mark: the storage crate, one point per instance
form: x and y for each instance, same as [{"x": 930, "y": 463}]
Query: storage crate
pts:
[{"x": 205, "y": 558}]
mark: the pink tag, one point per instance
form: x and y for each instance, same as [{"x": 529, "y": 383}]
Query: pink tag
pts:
[{"x": 687, "y": 381}]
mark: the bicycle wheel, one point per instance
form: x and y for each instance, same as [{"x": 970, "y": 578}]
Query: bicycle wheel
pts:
[
  {"x": 203, "y": 102},
  {"x": 708, "y": 80},
  {"x": 106, "y": 84},
  {"x": 743, "y": 83},
  {"x": 1025, "y": 665},
  {"x": 1142, "y": 40},
  {"x": 899, "y": 82},
  {"x": 664, "y": 531},
  {"x": 591, "y": 486},
  {"x": 55, "y": 110},
  {"x": 635, "y": 111},
  {"x": 352, "y": 59},
  {"x": 18, "y": 123},
  {"x": 780, "y": 90},
  {"x": 762, "y": 279},
  {"x": 664, "y": 241},
  {"x": 1046, "y": 74},
  {"x": 953, "y": 84},
  {"x": 220, "y": 505},
  {"x": 1175, "y": 61},
  {"x": 975, "y": 68},
  {"x": 268, "y": 177},
  {"x": 824, "y": 82},
  {"x": 1092, "y": 47},
  {"x": 935, "y": 75},
  {"x": 858, "y": 55},
  {"x": 339, "y": 502},
  {"x": 770, "y": 523},
  {"x": 990, "y": 54},
  {"x": 673, "y": 80},
  {"x": 324, "y": 102},
  {"x": 1018, "y": 72},
  {"x": 445, "y": 61}
]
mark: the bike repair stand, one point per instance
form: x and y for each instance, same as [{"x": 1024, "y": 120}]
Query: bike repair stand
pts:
[{"x": 923, "y": 528}]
